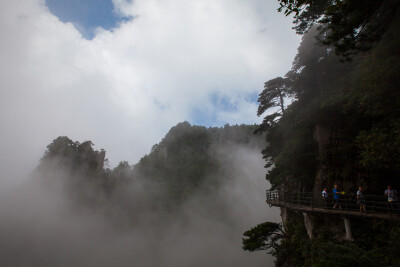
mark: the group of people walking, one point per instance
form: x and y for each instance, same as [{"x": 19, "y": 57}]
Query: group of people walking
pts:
[{"x": 390, "y": 193}]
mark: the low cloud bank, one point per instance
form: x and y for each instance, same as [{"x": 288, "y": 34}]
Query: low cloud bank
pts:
[{"x": 41, "y": 225}]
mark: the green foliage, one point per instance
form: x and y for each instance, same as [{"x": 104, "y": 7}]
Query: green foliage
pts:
[
  {"x": 73, "y": 156},
  {"x": 292, "y": 151},
  {"x": 357, "y": 102},
  {"x": 264, "y": 236},
  {"x": 330, "y": 253},
  {"x": 186, "y": 160},
  {"x": 179, "y": 161},
  {"x": 376, "y": 244},
  {"x": 350, "y": 25},
  {"x": 380, "y": 147},
  {"x": 292, "y": 147},
  {"x": 273, "y": 95},
  {"x": 122, "y": 171},
  {"x": 293, "y": 247},
  {"x": 357, "y": 105}
]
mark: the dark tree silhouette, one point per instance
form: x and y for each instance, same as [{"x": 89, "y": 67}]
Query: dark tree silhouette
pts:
[
  {"x": 264, "y": 236},
  {"x": 350, "y": 26}
]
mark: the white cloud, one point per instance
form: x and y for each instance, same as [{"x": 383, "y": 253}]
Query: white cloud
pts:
[{"x": 124, "y": 89}]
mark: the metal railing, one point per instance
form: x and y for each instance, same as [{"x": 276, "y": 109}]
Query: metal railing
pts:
[{"x": 347, "y": 203}]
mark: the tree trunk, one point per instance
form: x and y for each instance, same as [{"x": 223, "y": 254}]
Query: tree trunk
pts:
[{"x": 281, "y": 102}]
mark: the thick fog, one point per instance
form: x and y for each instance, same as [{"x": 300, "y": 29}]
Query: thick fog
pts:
[{"x": 42, "y": 225}]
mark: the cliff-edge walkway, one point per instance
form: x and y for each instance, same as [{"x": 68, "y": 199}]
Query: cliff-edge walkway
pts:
[{"x": 377, "y": 207}]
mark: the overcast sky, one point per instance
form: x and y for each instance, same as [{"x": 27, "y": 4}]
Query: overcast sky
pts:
[{"x": 122, "y": 73}]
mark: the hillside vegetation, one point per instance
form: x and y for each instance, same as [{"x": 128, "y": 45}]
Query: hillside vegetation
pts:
[{"x": 334, "y": 119}]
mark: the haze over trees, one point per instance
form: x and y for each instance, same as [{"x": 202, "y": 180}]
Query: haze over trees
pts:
[
  {"x": 342, "y": 125},
  {"x": 186, "y": 160},
  {"x": 184, "y": 204},
  {"x": 354, "y": 103},
  {"x": 333, "y": 118},
  {"x": 350, "y": 26}
]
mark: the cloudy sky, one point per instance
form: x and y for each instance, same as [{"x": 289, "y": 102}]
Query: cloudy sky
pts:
[{"x": 121, "y": 73}]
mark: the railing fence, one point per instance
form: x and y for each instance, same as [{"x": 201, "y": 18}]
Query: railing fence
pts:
[{"x": 347, "y": 202}]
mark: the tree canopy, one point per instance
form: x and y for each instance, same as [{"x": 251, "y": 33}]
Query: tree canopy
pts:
[
  {"x": 350, "y": 26},
  {"x": 355, "y": 104},
  {"x": 265, "y": 236}
]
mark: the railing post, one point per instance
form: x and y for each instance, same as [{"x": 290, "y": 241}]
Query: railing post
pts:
[
  {"x": 312, "y": 201},
  {"x": 298, "y": 199},
  {"x": 279, "y": 197}
]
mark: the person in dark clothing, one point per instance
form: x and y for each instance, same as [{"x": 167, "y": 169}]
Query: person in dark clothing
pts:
[
  {"x": 361, "y": 199},
  {"x": 392, "y": 198}
]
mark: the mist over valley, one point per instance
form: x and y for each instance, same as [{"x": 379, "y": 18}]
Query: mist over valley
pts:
[{"x": 186, "y": 203}]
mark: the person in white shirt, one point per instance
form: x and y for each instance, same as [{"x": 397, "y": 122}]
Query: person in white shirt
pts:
[
  {"x": 324, "y": 197},
  {"x": 361, "y": 199}
]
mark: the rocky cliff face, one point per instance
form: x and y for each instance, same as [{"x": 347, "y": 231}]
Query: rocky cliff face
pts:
[
  {"x": 312, "y": 222},
  {"x": 322, "y": 136}
]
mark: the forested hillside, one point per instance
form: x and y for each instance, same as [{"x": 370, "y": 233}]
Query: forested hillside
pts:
[
  {"x": 344, "y": 118},
  {"x": 184, "y": 204},
  {"x": 186, "y": 161},
  {"x": 341, "y": 126}
]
